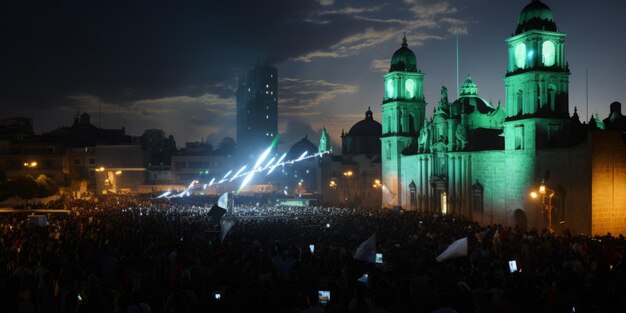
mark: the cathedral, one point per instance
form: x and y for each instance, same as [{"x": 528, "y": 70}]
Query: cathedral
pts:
[{"x": 527, "y": 163}]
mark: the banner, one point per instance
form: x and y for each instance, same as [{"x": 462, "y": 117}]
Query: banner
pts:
[
  {"x": 222, "y": 202},
  {"x": 455, "y": 250}
]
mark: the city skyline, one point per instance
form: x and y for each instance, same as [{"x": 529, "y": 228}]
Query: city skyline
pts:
[{"x": 174, "y": 68}]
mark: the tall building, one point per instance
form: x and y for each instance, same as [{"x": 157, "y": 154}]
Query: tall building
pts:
[
  {"x": 159, "y": 146},
  {"x": 483, "y": 162},
  {"x": 257, "y": 109}
]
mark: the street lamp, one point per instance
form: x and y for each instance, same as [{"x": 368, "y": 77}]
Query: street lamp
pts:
[
  {"x": 377, "y": 184},
  {"x": 547, "y": 195},
  {"x": 32, "y": 164}
]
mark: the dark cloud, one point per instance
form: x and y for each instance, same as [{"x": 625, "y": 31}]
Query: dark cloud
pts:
[{"x": 131, "y": 50}]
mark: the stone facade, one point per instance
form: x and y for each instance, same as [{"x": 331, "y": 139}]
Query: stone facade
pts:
[{"x": 481, "y": 161}]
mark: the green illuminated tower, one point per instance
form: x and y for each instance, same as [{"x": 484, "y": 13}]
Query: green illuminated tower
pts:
[
  {"x": 323, "y": 147},
  {"x": 536, "y": 89},
  {"x": 403, "y": 113},
  {"x": 536, "y": 82}
]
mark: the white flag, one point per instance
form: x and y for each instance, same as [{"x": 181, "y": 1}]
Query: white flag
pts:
[
  {"x": 227, "y": 224},
  {"x": 366, "y": 251},
  {"x": 456, "y": 249},
  {"x": 222, "y": 202}
]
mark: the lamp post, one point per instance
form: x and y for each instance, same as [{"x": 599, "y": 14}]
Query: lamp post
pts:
[
  {"x": 348, "y": 186},
  {"x": 547, "y": 195}
]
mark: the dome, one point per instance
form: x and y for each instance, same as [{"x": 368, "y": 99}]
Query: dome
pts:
[
  {"x": 367, "y": 127},
  {"x": 536, "y": 15},
  {"x": 403, "y": 59},
  {"x": 469, "y": 99},
  {"x": 298, "y": 148}
]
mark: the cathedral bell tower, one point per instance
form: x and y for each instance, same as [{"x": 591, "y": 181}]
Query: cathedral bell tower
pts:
[
  {"x": 536, "y": 82},
  {"x": 403, "y": 113}
]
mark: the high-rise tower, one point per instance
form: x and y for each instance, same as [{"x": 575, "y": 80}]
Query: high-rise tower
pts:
[
  {"x": 257, "y": 109},
  {"x": 403, "y": 113}
]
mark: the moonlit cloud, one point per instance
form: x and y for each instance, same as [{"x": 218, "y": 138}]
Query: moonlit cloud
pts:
[
  {"x": 380, "y": 65},
  {"x": 430, "y": 9},
  {"x": 302, "y": 97},
  {"x": 354, "y": 10}
]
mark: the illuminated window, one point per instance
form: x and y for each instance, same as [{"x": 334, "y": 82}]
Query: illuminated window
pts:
[
  {"x": 390, "y": 89},
  {"x": 520, "y": 55},
  {"x": 548, "y": 52},
  {"x": 410, "y": 86}
]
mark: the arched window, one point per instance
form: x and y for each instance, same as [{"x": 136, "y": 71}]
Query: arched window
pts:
[
  {"x": 390, "y": 89},
  {"x": 412, "y": 129},
  {"x": 409, "y": 87},
  {"x": 548, "y": 52}
]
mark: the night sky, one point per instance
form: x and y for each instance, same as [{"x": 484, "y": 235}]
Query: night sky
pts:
[{"x": 173, "y": 64}]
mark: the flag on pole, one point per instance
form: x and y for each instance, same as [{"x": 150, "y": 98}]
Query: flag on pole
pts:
[
  {"x": 227, "y": 224},
  {"x": 456, "y": 249},
  {"x": 366, "y": 251},
  {"x": 222, "y": 202}
]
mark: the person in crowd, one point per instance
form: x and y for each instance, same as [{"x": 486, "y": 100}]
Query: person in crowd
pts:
[{"x": 139, "y": 253}]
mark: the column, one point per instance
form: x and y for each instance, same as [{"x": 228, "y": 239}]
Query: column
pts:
[
  {"x": 422, "y": 167},
  {"x": 458, "y": 192},
  {"x": 429, "y": 190},
  {"x": 450, "y": 191}
]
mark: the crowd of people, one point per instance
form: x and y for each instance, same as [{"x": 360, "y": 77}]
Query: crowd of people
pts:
[{"x": 135, "y": 253}]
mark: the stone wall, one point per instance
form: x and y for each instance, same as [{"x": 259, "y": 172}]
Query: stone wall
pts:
[
  {"x": 608, "y": 183},
  {"x": 570, "y": 176}
]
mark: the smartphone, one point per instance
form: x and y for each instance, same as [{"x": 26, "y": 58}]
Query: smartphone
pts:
[
  {"x": 324, "y": 296},
  {"x": 79, "y": 297},
  {"x": 512, "y": 266},
  {"x": 379, "y": 258},
  {"x": 312, "y": 248},
  {"x": 217, "y": 296}
]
